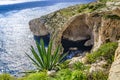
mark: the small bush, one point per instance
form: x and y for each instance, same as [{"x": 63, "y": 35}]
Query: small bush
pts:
[
  {"x": 64, "y": 65},
  {"x": 80, "y": 66},
  {"x": 83, "y": 7},
  {"x": 106, "y": 51},
  {"x": 22, "y": 78},
  {"x": 6, "y": 77},
  {"x": 96, "y": 6},
  {"x": 91, "y": 7},
  {"x": 111, "y": 17},
  {"x": 37, "y": 76},
  {"x": 78, "y": 75},
  {"x": 98, "y": 75},
  {"x": 64, "y": 74},
  {"x": 67, "y": 74},
  {"x": 104, "y": 1}
]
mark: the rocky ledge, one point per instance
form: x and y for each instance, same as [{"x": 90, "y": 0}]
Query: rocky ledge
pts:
[{"x": 95, "y": 23}]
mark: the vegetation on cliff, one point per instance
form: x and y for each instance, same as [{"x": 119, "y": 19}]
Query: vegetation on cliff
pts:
[
  {"x": 106, "y": 52},
  {"x": 6, "y": 77},
  {"x": 111, "y": 16}
]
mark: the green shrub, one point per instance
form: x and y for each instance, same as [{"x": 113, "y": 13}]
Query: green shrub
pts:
[
  {"x": 104, "y": 1},
  {"x": 64, "y": 65},
  {"x": 83, "y": 7},
  {"x": 98, "y": 75},
  {"x": 6, "y": 77},
  {"x": 80, "y": 66},
  {"x": 106, "y": 51},
  {"x": 96, "y": 6},
  {"x": 21, "y": 78},
  {"x": 67, "y": 74},
  {"x": 78, "y": 75},
  {"x": 37, "y": 76},
  {"x": 91, "y": 7},
  {"x": 112, "y": 17},
  {"x": 44, "y": 59},
  {"x": 64, "y": 74}
]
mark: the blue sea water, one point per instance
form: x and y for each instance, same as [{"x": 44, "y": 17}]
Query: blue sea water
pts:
[{"x": 15, "y": 35}]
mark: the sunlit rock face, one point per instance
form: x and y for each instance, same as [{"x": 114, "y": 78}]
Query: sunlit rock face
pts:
[
  {"x": 37, "y": 27},
  {"x": 93, "y": 27},
  {"x": 77, "y": 29},
  {"x": 115, "y": 68}
]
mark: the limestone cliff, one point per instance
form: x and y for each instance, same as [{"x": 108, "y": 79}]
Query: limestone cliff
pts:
[
  {"x": 98, "y": 22},
  {"x": 73, "y": 24}
]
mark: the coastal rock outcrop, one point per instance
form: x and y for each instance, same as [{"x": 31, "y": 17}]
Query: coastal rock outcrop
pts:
[
  {"x": 94, "y": 28},
  {"x": 37, "y": 27}
]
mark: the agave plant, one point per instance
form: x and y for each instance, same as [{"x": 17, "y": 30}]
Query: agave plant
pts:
[{"x": 43, "y": 58}]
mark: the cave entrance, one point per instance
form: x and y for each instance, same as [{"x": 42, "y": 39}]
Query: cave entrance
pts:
[
  {"x": 75, "y": 45},
  {"x": 77, "y": 37},
  {"x": 75, "y": 48}
]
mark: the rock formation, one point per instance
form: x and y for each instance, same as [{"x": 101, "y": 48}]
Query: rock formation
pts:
[
  {"x": 79, "y": 27},
  {"x": 115, "y": 68},
  {"x": 99, "y": 26}
]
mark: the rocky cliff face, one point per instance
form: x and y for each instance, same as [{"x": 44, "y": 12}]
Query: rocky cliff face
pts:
[
  {"x": 101, "y": 25},
  {"x": 115, "y": 68},
  {"x": 96, "y": 24}
]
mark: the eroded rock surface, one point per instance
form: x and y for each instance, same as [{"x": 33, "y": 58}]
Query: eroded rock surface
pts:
[
  {"x": 115, "y": 68},
  {"x": 99, "y": 27},
  {"x": 80, "y": 27},
  {"x": 37, "y": 27}
]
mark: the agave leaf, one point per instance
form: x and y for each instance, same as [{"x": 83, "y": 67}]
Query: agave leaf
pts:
[
  {"x": 43, "y": 46},
  {"x": 44, "y": 59},
  {"x": 40, "y": 53},
  {"x": 49, "y": 56},
  {"x": 44, "y": 53},
  {"x": 62, "y": 56},
  {"x": 34, "y": 62},
  {"x": 36, "y": 56}
]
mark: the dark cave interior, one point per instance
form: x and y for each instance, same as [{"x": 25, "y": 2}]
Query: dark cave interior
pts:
[
  {"x": 71, "y": 47},
  {"x": 75, "y": 47}
]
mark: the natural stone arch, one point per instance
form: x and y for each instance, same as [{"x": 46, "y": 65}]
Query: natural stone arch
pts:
[{"x": 76, "y": 30}]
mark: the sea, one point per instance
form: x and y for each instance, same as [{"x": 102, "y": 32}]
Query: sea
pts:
[{"x": 15, "y": 35}]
